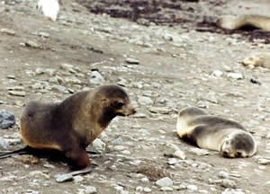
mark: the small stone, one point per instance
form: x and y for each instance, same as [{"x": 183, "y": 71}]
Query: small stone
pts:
[
  {"x": 17, "y": 93},
  {"x": 8, "y": 31},
  {"x": 263, "y": 161},
  {"x": 192, "y": 187},
  {"x": 99, "y": 145},
  {"x": 180, "y": 154},
  {"x": 132, "y": 61},
  {"x": 11, "y": 76},
  {"x": 32, "y": 44},
  {"x": 90, "y": 190},
  {"x": 43, "y": 34},
  {"x": 237, "y": 76},
  {"x": 164, "y": 182},
  {"x": 60, "y": 178},
  {"x": 199, "y": 152},
  {"x": 7, "y": 119},
  {"x": 143, "y": 100},
  {"x": 147, "y": 190},
  {"x": 118, "y": 141},
  {"x": 78, "y": 179},
  {"x": 168, "y": 189},
  {"x": 96, "y": 78},
  {"x": 39, "y": 174},
  {"x": 173, "y": 161},
  {"x": 126, "y": 152},
  {"x": 139, "y": 189},
  {"x": 3, "y": 144},
  {"x": 223, "y": 175},
  {"x": 119, "y": 148},
  {"x": 16, "y": 88},
  {"x": 145, "y": 180},
  {"x": 159, "y": 110},
  {"x": 233, "y": 191},
  {"x": 118, "y": 188},
  {"x": 217, "y": 73},
  {"x": 228, "y": 183},
  {"x": 67, "y": 67}
]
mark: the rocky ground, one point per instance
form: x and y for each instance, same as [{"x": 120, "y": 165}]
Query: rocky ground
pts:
[{"x": 164, "y": 66}]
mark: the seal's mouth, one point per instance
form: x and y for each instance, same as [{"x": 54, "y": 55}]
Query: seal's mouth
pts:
[{"x": 126, "y": 111}]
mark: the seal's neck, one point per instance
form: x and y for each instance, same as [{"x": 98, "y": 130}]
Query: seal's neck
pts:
[{"x": 106, "y": 117}]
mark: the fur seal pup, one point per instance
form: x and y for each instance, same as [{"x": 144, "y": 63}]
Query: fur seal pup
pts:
[
  {"x": 235, "y": 22},
  {"x": 215, "y": 133},
  {"x": 258, "y": 59},
  {"x": 71, "y": 125}
]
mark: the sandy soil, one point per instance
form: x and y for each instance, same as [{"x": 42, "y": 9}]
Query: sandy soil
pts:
[{"x": 175, "y": 70}]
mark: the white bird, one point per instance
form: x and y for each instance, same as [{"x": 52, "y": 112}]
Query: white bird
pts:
[{"x": 50, "y": 8}]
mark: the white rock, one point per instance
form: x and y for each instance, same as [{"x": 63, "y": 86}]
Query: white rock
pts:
[
  {"x": 233, "y": 191},
  {"x": 223, "y": 174},
  {"x": 144, "y": 180},
  {"x": 199, "y": 152},
  {"x": 99, "y": 145},
  {"x": 143, "y": 100},
  {"x": 147, "y": 190},
  {"x": 168, "y": 189},
  {"x": 96, "y": 78},
  {"x": 139, "y": 189},
  {"x": 132, "y": 61},
  {"x": 192, "y": 187},
  {"x": 180, "y": 154},
  {"x": 164, "y": 182},
  {"x": 119, "y": 148},
  {"x": 235, "y": 75},
  {"x": 90, "y": 190},
  {"x": 263, "y": 161},
  {"x": 78, "y": 179},
  {"x": 173, "y": 161},
  {"x": 217, "y": 73},
  {"x": 228, "y": 183}
]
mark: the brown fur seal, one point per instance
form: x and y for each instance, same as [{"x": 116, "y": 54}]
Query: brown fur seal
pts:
[
  {"x": 211, "y": 132},
  {"x": 71, "y": 125},
  {"x": 235, "y": 22}
]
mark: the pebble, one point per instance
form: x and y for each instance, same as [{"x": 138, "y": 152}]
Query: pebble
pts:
[
  {"x": 78, "y": 179},
  {"x": 96, "y": 78},
  {"x": 232, "y": 191},
  {"x": 192, "y": 187},
  {"x": 60, "y": 178},
  {"x": 17, "y": 93},
  {"x": 99, "y": 145},
  {"x": 44, "y": 34},
  {"x": 8, "y": 31},
  {"x": 237, "y": 76},
  {"x": 119, "y": 148},
  {"x": 38, "y": 173},
  {"x": 147, "y": 190},
  {"x": 168, "y": 189},
  {"x": 164, "y": 182},
  {"x": 159, "y": 110},
  {"x": 139, "y": 188},
  {"x": 143, "y": 100},
  {"x": 180, "y": 154},
  {"x": 16, "y": 88},
  {"x": 32, "y": 44},
  {"x": 263, "y": 161},
  {"x": 223, "y": 174},
  {"x": 228, "y": 183},
  {"x": 7, "y": 119},
  {"x": 118, "y": 141},
  {"x": 3, "y": 144},
  {"x": 217, "y": 73},
  {"x": 90, "y": 190},
  {"x": 172, "y": 161},
  {"x": 132, "y": 61},
  {"x": 199, "y": 152}
]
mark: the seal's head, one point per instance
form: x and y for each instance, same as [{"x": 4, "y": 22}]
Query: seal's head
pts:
[
  {"x": 115, "y": 101},
  {"x": 239, "y": 144}
]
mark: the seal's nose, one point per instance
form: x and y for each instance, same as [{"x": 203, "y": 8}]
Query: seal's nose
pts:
[{"x": 225, "y": 153}]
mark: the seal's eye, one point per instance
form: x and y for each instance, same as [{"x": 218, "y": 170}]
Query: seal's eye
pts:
[{"x": 118, "y": 104}]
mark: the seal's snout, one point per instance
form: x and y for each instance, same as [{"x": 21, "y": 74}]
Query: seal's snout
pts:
[{"x": 128, "y": 110}]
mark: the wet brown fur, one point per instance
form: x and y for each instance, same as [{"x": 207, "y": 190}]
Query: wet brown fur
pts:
[{"x": 71, "y": 125}]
